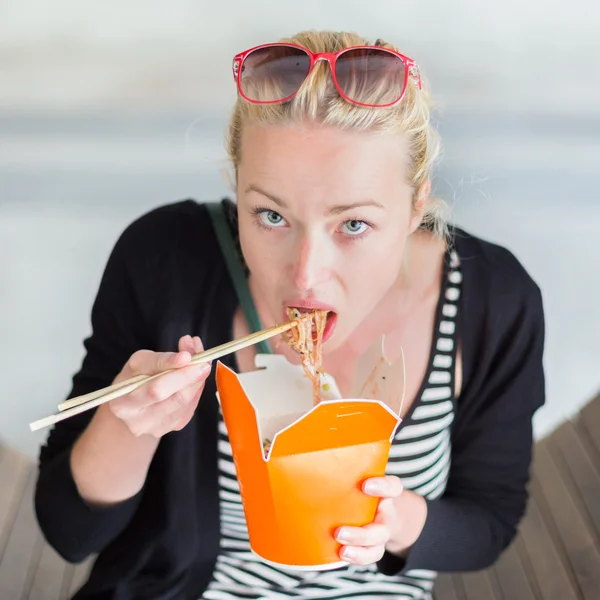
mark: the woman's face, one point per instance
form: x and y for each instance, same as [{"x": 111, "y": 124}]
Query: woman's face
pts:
[{"x": 324, "y": 217}]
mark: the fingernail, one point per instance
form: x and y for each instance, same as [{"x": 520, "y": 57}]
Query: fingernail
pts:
[
  {"x": 372, "y": 487},
  {"x": 343, "y": 536},
  {"x": 203, "y": 371},
  {"x": 177, "y": 357},
  {"x": 349, "y": 553},
  {"x": 198, "y": 344}
]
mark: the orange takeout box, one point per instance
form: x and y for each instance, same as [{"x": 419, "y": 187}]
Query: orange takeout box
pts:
[{"x": 309, "y": 482}]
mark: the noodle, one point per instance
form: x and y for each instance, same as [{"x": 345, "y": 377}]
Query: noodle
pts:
[
  {"x": 307, "y": 340},
  {"x": 266, "y": 446}
]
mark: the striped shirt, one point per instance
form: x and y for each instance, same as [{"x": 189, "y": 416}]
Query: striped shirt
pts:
[{"x": 419, "y": 455}]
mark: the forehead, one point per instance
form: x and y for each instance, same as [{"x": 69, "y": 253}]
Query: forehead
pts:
[{"x": 321, "y": 158}]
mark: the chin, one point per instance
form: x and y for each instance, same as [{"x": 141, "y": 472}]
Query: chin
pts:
[
  {"x": 332, "y": 345},
  {"x": 338, "y": 338}
]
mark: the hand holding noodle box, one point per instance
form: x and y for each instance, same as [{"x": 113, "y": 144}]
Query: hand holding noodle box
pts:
[{"x": 301, "y": 451}]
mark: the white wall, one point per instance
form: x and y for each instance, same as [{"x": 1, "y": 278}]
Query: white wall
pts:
[{"x": 77, "y": 54}]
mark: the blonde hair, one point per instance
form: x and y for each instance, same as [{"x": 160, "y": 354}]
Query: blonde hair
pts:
[{"x": 318, "y": 101}]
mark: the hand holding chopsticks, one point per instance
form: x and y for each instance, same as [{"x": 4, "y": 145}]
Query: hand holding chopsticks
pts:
[{"x": 75, "y": 406}]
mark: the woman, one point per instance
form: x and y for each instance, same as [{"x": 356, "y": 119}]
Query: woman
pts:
[{"x": 333, "y": 211}]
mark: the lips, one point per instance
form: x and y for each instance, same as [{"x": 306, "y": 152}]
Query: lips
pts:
[{"x": 310, "y": 305}]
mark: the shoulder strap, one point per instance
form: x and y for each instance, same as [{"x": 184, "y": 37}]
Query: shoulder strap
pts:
[{"x": 235, "y": 267}]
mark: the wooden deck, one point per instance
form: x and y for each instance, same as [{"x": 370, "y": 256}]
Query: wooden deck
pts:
[{"x": 556, "y": 555}]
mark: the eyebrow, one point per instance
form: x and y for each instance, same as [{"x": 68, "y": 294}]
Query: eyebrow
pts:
[
  {"x": 334, "y": 210},
  {"x": 275, "y": 199},
  {"x": 341, "y": 208}
]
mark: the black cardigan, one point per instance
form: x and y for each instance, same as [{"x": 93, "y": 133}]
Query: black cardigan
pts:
[{"x": 166, "y": 278}]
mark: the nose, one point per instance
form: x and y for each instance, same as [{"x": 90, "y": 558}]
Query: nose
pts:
[{"x": 310, "y": 263}]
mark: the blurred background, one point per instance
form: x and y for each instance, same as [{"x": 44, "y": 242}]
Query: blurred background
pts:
[{"x": 110, "y": 109}]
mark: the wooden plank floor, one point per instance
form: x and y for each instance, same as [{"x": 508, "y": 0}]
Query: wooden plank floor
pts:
[
  {"x": 556, "y": 555},
  {"x": 29, "y": 568}
]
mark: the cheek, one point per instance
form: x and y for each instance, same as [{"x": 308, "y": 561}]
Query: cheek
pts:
[
  {"x": 370, "y": 278},
  {"x": 373, "y": 268},
  {"x": 261, "y": 257},
  {"x": 381, "y": 253}
]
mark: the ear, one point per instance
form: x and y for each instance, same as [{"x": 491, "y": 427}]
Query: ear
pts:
[{"x": 420, "y": 200}]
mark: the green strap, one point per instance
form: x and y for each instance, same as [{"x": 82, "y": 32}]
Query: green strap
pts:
[{"x": 235, "y": 268}]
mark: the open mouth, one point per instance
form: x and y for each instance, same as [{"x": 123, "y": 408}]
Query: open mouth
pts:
[{"x": 309, "y": 308}]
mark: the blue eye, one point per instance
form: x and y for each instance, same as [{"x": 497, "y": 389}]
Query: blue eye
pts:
[
  {"x": 270, "y": 218},
  {"x": 355, "y": 227}
]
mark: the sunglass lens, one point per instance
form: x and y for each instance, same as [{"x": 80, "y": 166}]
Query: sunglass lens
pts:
[
  {"x": 371, "y": 76},
  {"x": 273, "y": 73}
]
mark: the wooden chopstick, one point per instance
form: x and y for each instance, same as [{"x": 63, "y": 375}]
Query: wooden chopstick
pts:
[
  {"x": 75, "y": 406},
  {"x": 101, "y": 392},
  {"x": 204, "y": 356}
]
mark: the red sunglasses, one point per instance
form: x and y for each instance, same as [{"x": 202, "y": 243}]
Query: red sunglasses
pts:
[{"x": 370, "y": 76}]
